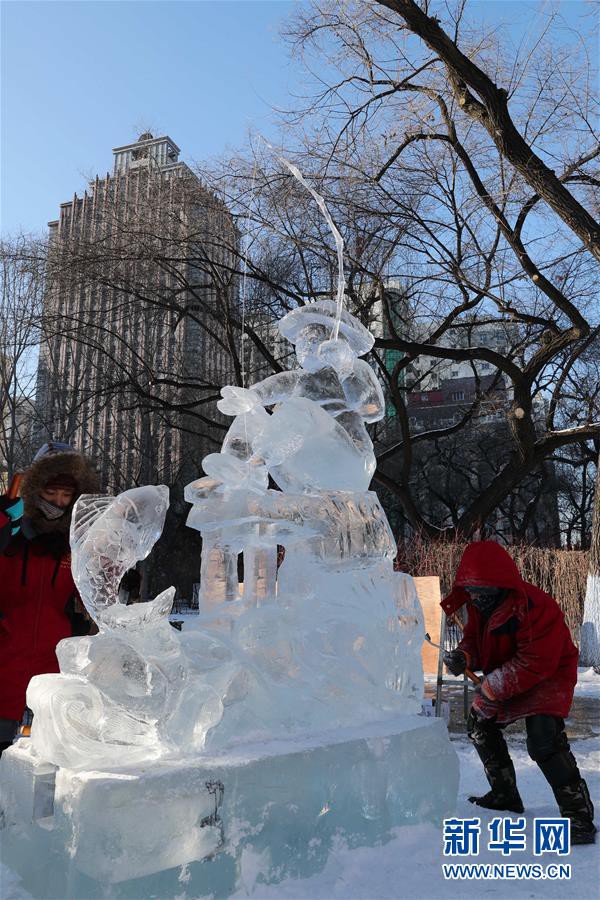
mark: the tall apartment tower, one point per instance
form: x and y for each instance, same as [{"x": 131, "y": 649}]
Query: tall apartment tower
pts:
[
  {"x": 139, "y": 282},
  {"x": 139, "y": 312}
]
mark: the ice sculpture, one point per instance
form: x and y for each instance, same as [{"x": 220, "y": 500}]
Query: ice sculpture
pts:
[
  {"x": 282, "y": 719},
  {"x": 315, "y": 439},
  {"x": 332, "y": 638},
  {"x": 135, "y": 691}
]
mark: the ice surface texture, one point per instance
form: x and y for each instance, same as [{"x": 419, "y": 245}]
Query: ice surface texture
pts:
[
  {"x": 332, "y": 637},
  {"x": 276, "y": 810},
  {"x": 130, "y": 693},
  {"x": 329, "y": 639},
  {"x": 315, "y": 439},
  {"x": 108, "y": 536}
]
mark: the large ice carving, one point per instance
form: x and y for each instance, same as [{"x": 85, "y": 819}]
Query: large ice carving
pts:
[
  {"x": 281, "y": 721},
  {"x": 329, "y": 639},
  {"x": 332, "y": 637}
]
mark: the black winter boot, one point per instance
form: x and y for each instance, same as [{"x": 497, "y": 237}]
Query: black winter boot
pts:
[
  {"x": 504, "y": 793},
  {"x": 490, "y": 745},
  {"x": 495, "y": 799},
  {"x": 548, "y": 745},
  {"x": 575, "y": 804}
]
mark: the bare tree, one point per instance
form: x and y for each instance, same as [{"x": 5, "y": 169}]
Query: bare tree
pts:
[
  {"x": 431, "y": 193},
  {"x": 486, "y": 103},
  {"x": 20, "y": 315},
  {"x": 479, "y": 227}
]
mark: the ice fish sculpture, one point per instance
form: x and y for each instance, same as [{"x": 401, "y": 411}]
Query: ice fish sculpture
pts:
[
  {"x": 108, "y": 536},
  {"x": 129, "y": 693}
]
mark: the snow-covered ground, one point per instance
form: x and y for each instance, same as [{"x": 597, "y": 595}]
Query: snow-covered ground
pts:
[
  {"x": 409, "y": 867},
  {"x": 588, "y": 685}
]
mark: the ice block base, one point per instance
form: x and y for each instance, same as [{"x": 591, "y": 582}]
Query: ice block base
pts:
[{"x": 258, "y": 814}]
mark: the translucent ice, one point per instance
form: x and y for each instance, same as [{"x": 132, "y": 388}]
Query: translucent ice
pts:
[
  {"x": 328, "y": 639},
  {"x": 315, "y": 439},
  {"x": 306, "y": 450},
  {"x": 285, "y": 714},
  {"x": 339, "y": 241},
  {"x": 108, "y": 536},
  {"x": 331, "y": 637},
  {"x": 129, "y": 693},
  {"x": 274, "y": 810}
]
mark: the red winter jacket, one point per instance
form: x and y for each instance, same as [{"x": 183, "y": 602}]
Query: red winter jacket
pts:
[
  {"x": 525, "y": 647},
  {"x": 36, "y": 591}
]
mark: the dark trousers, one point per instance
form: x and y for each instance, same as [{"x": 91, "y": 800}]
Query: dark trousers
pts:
[
  {"x": 547, "y": 745},
  {"x": 8, "y": 730}
]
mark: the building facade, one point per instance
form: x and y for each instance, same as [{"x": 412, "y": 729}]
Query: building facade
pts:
[
  {"x": 134, "y": 338},
  {"x": 140, "y": 305},
  {"x": 463, "y": 405}
]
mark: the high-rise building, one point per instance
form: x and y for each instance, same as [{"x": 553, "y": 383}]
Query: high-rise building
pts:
[
  {"x": 139, "y": 312},
  {"x": 140, "y": 281}
]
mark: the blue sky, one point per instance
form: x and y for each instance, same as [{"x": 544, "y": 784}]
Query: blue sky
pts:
[{"x": 80, "y": 78}]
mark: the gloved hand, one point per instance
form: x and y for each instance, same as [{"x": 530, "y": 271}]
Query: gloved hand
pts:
[
  {"x": 483, "y": 704},
  {"x": 13, "y": 508},
  {"x": 484, "y": 689},
  {"x": 455, "y": 661}
]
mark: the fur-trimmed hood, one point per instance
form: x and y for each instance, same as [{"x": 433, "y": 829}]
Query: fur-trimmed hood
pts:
[{"x": 40, "y": 472}]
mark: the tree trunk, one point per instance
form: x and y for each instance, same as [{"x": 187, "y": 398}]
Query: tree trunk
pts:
[{"x": 589, "y": 648}]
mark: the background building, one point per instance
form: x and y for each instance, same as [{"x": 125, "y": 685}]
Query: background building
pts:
[
  {"x": 460, "y": 408},
  {"x": 138, "y": 309}
]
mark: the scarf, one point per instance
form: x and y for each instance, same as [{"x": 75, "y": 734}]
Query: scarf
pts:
[{"x": 49, "y": 510}]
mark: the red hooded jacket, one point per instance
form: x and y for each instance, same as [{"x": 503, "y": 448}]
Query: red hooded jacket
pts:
[
  {"x": 38, "y": 598},
  {"x": 524, "y": 648},
  {"x": 37, "y": 594}
]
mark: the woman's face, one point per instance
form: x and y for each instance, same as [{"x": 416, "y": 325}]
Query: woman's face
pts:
[{"x": 61, "y": 497}]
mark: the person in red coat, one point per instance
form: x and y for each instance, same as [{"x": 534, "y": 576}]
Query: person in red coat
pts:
[
  {"x": 517, "y": 636},
  {"x": 39, "y": 604}
]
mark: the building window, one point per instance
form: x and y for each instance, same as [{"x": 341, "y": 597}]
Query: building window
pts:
[{"x": 457, "y": 395}]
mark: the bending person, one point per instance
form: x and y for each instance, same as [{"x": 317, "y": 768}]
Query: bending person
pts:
[{"x": 516, "y": 634}]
